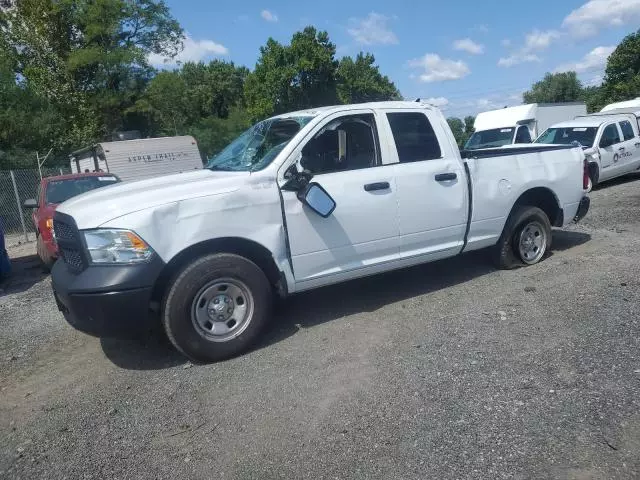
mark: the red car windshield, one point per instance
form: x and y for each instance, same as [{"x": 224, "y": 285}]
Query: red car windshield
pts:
[{"x": 59, "y": 191}]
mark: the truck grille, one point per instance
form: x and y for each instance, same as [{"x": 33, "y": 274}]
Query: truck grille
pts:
[{"x": 69, "y": 242}]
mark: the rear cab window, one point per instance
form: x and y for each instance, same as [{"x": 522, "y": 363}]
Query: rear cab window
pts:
[{"x": 414, "y": 137}]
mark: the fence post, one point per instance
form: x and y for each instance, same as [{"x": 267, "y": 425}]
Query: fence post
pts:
[
  {"x": 15, "y": 190},
  {"x": 61, "y": 171}
]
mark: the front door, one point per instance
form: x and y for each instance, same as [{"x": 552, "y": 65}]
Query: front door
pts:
[
  {"x": 432, "y": 187},
  {"x": 609, "y": 146},
  {"x": 345, "y": 158}
]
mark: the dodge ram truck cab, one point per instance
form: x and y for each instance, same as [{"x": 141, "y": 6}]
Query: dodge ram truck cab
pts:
[{"x": 299, "y": 201}]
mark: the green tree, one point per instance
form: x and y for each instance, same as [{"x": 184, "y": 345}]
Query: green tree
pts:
[
  {"x": 469, "y": 120},
  {"x": 203, "y": 100},
  {"x": 292, "y": 77},
  {"x": 457, "y": 128},
  {"x": 88, "y": 58},
  {"x": 555, "y": 88},
  {"x": 360, "y": 81},
  {"x": 305, "y": 74},
  {"x": 622, "y": 75}
]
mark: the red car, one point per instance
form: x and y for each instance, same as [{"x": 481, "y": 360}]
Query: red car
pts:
[{"x": 52, "y": 192}]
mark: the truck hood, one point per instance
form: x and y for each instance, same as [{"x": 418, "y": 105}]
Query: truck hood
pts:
[{"x": 94, "y": 208}]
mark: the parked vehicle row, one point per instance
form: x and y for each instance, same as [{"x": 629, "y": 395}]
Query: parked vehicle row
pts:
[
  {"x": 520, "y": 124},
  {"x": 299, "y": 201}
]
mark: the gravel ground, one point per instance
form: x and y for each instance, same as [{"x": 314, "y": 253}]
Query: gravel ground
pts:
[{"x": 448, "y": 370}]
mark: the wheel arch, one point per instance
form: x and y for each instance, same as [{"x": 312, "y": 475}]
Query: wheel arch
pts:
[
  {"x": 249, "y": 249},
  {"x": 546, "y": 200}
]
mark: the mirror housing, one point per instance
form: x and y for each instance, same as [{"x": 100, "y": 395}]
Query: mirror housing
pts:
[
  {"x": 317, "y": 199},
  {"x": 30, "y": 203}
]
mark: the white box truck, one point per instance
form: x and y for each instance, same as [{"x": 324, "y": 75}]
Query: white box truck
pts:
[
  {"x": 520, "y": 124},
  {"x": 139, "y": 159},
  {"x": 633, "y": 104}
]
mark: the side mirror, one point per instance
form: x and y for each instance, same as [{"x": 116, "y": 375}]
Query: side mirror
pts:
[
  {"x": 30, "y": 203},
  {"x": 317, "y": 199}
]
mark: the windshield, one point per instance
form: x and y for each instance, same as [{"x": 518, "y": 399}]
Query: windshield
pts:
[
  {"x": 59, "y": 191},
  {"x": 495, "y": 137},
  {"x": 257, "y": 147},
  {"x": 583, "y": 135}
]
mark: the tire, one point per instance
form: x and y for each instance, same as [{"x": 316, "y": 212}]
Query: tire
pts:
[
  {"x": 524, "y": 223},
  {"x": 594, "y": 174},
  {"x": 196, "y": 307}
]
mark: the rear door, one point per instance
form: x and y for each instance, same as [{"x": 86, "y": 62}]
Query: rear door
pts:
[
  {"x": 630, "y": 155},
  {"x": 431, "y": 185}
]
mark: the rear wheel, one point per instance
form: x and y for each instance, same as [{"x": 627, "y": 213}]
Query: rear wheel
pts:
[
  {"x": 525, "y": 240},
  {"x": 216, "y": 307}
]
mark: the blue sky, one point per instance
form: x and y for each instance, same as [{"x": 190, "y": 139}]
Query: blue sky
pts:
[{"x": 464, "y": 56}]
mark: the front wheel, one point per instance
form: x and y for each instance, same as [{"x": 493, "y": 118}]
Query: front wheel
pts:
[
  {"x": 525, "y": 239},
  {"x": 216, "y": 307}
]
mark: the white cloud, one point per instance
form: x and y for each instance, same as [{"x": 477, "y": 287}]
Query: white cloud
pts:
[
  {"x": 269, "y": 16},
  {"x": 537, "y": 40},
  {"x": 438, "y": 69},
  {"x": 469, "y": 46},
  {"x": 517, "y": 59},
  {"x": 596, "y": 15},
  {"x": 506, "y": 42},
  {"x": 596, "y": 59},
  {"x": 482, "y": 28},
  {"x": 439, "y": 102},
  {"x": 372, "y": 30},
  {"x": 193, "y": 51}
]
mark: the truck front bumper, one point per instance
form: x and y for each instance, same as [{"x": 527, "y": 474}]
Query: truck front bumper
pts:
[
  {"x": 583, "y": 208},
  {"x": 107, "y": 301}
]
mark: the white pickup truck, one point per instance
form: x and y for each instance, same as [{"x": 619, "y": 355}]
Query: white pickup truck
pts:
[
  {"x": 610, "y": 141},
  {"x": 296, "y": 202}
]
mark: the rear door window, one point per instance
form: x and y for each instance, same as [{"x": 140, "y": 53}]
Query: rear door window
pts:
[
  {"x": 627, "y": 130},
  {"x": 414, "y": 137}
]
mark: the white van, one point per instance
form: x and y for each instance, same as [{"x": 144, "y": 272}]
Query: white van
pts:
[
  {"x": 139, "y": 159},
  {"x": 632, "y": 104},
  {"x": 519, "y": 124}
]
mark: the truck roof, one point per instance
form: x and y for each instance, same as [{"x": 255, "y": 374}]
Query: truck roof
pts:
[
  {"x": 590, "y": 121},
  {"x": 312, "y": 112},
  {"x": 71, "y": 176}
]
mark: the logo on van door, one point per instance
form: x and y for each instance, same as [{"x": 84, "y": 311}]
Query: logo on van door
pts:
[
  {"x": 616, "y": 158},
  {"x": 156, "y": 157}
]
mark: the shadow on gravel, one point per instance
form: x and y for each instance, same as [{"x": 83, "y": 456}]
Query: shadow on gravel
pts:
[
  {"x": 631, "y": 177},
  {"x": 153, "y": 353},
  {"x": 25, "y": 272},
  {"x": 564, "y": 240},
  {"x": 369, "y": 294},
  {"x": 331, "y": 303}
]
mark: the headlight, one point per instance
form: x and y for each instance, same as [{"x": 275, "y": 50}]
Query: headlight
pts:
[{"x": 116, "y": 246}]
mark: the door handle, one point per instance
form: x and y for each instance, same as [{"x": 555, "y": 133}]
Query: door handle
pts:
[
  {"x": 370, "y": 187},
  {"x": 637, "y": 145},
  {"x": 443, "y": 177},
  {"x": 621, "y": 149}
]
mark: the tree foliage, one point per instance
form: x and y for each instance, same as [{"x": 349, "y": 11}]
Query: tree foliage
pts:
[
  {"x": 622, "y": 75},
  {"x": 306, "y": 74},
  {"x": 555, "y": 88},
  {"x": 461, "y": 129}
]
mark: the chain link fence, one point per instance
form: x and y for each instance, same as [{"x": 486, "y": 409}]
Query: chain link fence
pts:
[{"x": 16, "y": 186}]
